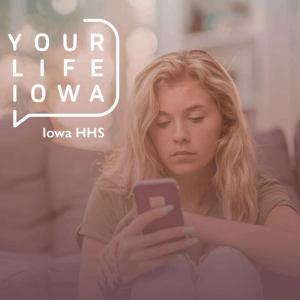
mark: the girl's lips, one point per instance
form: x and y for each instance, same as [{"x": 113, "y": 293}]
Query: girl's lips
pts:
[
  {"x": 182, "y": 156},
  {"x": 182, "y": 153}
]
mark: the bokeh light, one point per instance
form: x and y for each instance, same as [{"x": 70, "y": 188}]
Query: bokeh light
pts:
[
  {"x": 141, "y": 4},
  {"x": 142, "y": 42},
  {"x": 26, "y": 43},
  {"x": 64, "y": 7},
  {"x": 144, "y": 11}
]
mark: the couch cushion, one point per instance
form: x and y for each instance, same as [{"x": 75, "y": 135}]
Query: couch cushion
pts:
[
  {"x": 71, "y": 176},
  {"x": 24, "y": 275},
  {"x": 297, "y": 156},
  {"x": 64, "y": 226},
  {"x": 24, "y": 209},
  {"x": 273, "y": 155},
  {"x": 63, "y": 274}
]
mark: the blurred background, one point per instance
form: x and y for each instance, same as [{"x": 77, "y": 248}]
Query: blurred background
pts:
[{"x": 258, "y": 41}]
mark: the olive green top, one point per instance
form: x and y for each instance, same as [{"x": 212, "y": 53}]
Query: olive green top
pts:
[{"x": 105, "y": 209}]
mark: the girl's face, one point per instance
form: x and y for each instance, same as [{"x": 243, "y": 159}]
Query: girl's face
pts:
[{"x": 188, "y": 121}]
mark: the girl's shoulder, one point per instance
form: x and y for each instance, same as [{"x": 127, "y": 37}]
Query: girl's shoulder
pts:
[
  {"x": 109, "y": 185},
  {"x": 108, "y": 197},
  {"x": 270, "y": 193}
]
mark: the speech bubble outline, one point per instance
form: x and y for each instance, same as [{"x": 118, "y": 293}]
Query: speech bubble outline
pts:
[{"x": 38, "y": 115}]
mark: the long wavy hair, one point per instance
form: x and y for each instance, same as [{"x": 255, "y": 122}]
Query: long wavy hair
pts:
[{"x": 235, "y": 159}]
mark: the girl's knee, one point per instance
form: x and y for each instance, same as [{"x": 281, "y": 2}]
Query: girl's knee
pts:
[
  {"x": 229, "y": 258},
  {"x": 172, "y": 281},
  {"x": 228, "y": 270}
]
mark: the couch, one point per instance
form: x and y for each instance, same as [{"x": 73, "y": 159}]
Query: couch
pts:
[{"x": 44, "y": 188}]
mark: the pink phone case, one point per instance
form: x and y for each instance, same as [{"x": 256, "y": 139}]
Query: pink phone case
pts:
[{"x": 159, "y": 192}]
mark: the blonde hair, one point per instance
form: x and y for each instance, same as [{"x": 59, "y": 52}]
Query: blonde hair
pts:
[{"x": 235, "y": 157}]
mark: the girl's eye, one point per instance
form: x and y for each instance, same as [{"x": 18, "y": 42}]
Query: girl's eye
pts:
[
  {"x": 197, "y": 119},
  {"x": 164, "y": 124}
]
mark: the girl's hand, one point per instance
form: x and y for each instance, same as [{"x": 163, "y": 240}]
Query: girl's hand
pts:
[
  {"x": 136, "y": 257},
  {"x": 107, "y": 265}
]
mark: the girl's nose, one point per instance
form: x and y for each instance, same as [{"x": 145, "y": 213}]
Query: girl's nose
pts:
[{"x": 181, "y": 133}]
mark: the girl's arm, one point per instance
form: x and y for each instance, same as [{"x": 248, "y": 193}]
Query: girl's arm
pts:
[
  {"x": 275, "y": 246},
  {"x": 87, "y": 287}
]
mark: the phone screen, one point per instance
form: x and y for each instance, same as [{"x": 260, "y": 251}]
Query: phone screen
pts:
[{"x": 153, "y": 193}]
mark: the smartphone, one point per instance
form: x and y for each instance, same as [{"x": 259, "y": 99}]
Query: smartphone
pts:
[{"x": 149, "y": 194}]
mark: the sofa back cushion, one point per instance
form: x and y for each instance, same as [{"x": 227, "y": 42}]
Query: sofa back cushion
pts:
[
  {"x": 273, "y": 156},
  {"x": 24, "y": 206},
  {"x": 71, "y": 175},
  {"x": 297, "y": 156}
]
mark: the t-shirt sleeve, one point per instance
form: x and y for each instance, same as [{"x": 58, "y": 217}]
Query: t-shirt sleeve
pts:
[
  {"x": 271, "y": 194},
  {"x": 99, "y": 219}
]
